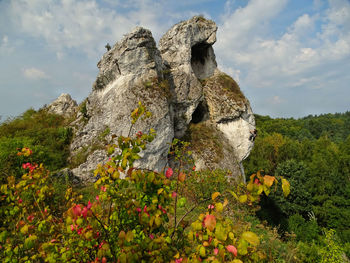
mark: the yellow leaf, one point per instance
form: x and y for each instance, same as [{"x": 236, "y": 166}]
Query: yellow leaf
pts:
[
  {"x": 251, "y": 237},
  {"x": 129, "y": 236},
  {"x": 243, "y": 198},
  {"x": 234, "y": 194},
  {"x": 285, "y": 187},
  {"x": 225, "y": 202},
  {"x": 215, "y": 195},
  {"x": 219, "y": 207},
  {"x": 237, "y": 261},
  {"x": 160, "y": 191},
  {"x": 268, "y": 180}
]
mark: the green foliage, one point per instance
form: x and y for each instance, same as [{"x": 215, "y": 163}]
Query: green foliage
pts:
[
  {"x": 43, "y": 132},
  {"x": 313, "y": 154},
  {"x": 332, "y": 252},
  {"x": 133, "y": 216}
]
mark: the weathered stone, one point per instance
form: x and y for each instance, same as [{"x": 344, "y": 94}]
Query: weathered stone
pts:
[
  {"x": 187, "y": 52},
  {"x": 63, "y": 105},
  {"x": 231, "y": 111},
  {"x": 130, "y": 72}
]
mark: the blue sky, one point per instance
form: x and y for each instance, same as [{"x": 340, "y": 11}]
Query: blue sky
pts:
[{"x": 290, "y": 57}]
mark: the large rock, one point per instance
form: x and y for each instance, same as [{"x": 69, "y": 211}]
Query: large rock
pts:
[
  {"x": 130, "y": 72},
  {"x": 181, "y": 85},
  {"x": 189, "y": 57},
  {"x": 63, "y": 105}
]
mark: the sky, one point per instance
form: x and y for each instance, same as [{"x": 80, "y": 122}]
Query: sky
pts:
[{"x": 291, "y": 58}]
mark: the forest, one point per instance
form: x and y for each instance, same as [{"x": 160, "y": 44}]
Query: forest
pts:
[
  {"x": 313, "y": 153},
  {"x": 311, "y": 224}
]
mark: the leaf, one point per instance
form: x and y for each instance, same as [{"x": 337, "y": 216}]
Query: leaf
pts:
[
  {"x": 202, "y": 251},
  {"x": 285, "y": 187},
  {"x": 219, "y": 207},
  {"x": 232, "y": 249},
  {"x": 266, "y": 190},
  {"x": 220, "y": 233},
  {"x": 169, "y": 173},
  {"x": 182, "y": 177},
  {"x": 215, "y": 195},
  {"x": 268, "y": 180},
  {"x": 251, "y": 237},
  {"x": 210, "y": 222},
  {"x": 129, "y": 236},
  {"x": 242, "y": 247},
  {"x": 234, "y": 195},
  {"x": 243, "y": 198}
]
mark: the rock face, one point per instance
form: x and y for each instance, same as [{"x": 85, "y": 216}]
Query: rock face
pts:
[
  {"x": 182, "y": 87},
  {"x": 130, "y": 72},
  {"x": 188, "y": 55},
  {"x": 63, "y": 105}
]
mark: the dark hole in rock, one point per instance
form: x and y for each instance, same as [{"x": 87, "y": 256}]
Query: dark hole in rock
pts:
[
  {"x": 203, "y": 60},
  {"x": 201, "y": 113}
]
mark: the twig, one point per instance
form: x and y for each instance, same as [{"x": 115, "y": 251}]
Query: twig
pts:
[{"x": 189, "y": 211}]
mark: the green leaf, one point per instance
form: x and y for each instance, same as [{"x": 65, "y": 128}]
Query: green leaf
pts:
[{"x": 251, "y": 237}]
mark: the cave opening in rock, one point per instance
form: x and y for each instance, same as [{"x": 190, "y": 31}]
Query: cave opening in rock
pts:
[
  {"x": 203, "y": 60},
  {"x": 201, "y": 113}
]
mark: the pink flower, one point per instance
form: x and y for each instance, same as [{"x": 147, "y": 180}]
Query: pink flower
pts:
[
  {"x": 210, "y": 206},
  {"x": 138, "y": 209},
  {"x": 151, "y": 236},
  {"x": 20, "y": 201},
  {"x": 72, "y": 227},
  {"x": 169, "y": 173},
  {"x": 216, "y": 251},
  {"x": 178, "y": 260},
  {"x": 174, "y": 194},
  {"x": 97, "y": 197},
  {"x": 145, "y": 209},
  {"x": 103, "y": 188},
  {"x": 232, "y": 249},
  {"x": 89, "y": 205},
  {"x": 79, "y": 231}
]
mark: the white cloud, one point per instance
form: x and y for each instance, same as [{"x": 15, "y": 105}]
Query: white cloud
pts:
[
  {"x": 5, "y": 47},
  {"x": 88, "y": 25},
  {"x": 276, "y": 100},
  {"x": 242, "y": 44},
  {"x": 34, "y": 73}
]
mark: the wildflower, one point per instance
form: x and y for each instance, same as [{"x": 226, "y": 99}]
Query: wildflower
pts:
[{"x": 169, "y": 173}]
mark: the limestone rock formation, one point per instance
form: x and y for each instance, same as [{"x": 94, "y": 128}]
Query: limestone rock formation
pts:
[
  {"x": 188, "y": 54},
  {"x": 181, "y": 85},
  {"x": 130, "y": 72},
  {"x": 63, "y": 105}
]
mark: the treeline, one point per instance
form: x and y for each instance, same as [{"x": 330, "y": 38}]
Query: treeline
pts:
[{"x": 313, "y": 153}]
